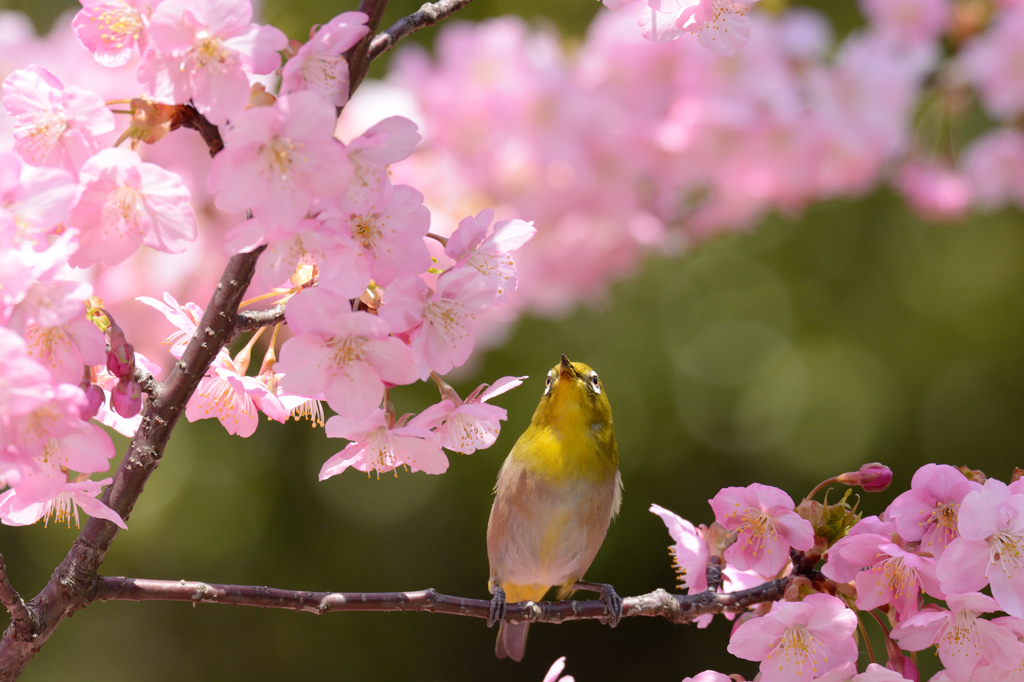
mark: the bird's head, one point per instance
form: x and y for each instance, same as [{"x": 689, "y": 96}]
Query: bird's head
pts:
[{"x": 573, "y": 393}]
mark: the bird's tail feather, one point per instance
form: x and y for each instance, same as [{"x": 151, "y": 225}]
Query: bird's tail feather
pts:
[{"x": 512, "y": 640}]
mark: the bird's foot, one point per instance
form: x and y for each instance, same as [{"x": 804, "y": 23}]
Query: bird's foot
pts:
[
  {"x": 497, "y": 612},
  {"x": 612, "y": 601}
]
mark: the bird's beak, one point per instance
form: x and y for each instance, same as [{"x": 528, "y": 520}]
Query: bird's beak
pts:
[{"x": 566, "y": 369}]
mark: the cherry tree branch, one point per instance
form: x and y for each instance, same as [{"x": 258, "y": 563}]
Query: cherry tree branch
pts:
[
  {"x": 428, "y": 15},
  {"x": 21, "y": 617},
  {"x": 676, "y": 608},
  {"x": 186, "y": 116},
  {"x": 358, "y": 55},
  {"x": 250, "y": 321}
]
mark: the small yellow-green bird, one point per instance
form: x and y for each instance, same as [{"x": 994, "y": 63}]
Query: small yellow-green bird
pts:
[{"x": 556, "y": 494}]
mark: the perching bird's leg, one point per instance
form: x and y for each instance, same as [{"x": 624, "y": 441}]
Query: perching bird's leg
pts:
[
  {"x": 612, "y": 601},
  {"x": 497, "y": 612}
]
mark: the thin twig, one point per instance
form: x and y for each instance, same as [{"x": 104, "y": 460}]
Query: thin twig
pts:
[
  {"x": 674, "y": 607},
  {"x": 23, "y": 624},
  {"x": 428, "y": 15},
  {"x": 252, "y": 320}
]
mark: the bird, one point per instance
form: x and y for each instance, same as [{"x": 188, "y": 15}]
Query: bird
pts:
[{"x": 555, "y": 497}]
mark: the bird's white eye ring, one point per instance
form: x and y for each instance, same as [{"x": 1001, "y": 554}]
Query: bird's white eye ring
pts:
[
  {"x": 594, "y": 382},
  {"x": 547, "y": 385}
]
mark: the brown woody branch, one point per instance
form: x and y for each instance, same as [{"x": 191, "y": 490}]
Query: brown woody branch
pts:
[
  {"x": 358, "y": 57},
  {"x": 675, "y": 607},
  {"x": 428, "y": 15},
  {"x": 186, "y": 116},
  {"x": 21, "y": 617},
  {"x": 250, "y": 321}
]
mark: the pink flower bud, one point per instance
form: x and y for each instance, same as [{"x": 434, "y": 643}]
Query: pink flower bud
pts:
[
  {"x": 121, "y": 356},
  {"x": 873, "y": 477},
  {"x": 94, "y": 400},
  {"x": 126, "y": 398}
]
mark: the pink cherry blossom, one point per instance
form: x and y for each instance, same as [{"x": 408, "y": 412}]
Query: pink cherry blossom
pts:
[
  {"x": 277, "y": 159},
  {"x": 766, "y": 524},
  {"x": 62, "y": 507},
  {"x": 186, "y": 318},
  {"x": 994, "y": 163},
  {"x": 34, "y": 202},
  {"x": 990, "y": 549},
  {"x": 440, "y": 323},
  {"x": 555, "y": 670},
  {"x": 470, "y": 425},
  {"x": 54, "y": 125},
  {"x": 927, "y": 513},
  {"x": 467, "y": 246},
  {"x": 24, "y": 383},
  {"x": 992, "y": 60},
  {"x": 320, "y": 64},
  {"x": 126, "y": 203},
  {"x": 722, "y": 26},
  {"x": 691, "y": 552},
  {"x": 201, "y": 51},
  {"x": 892, "y": 575},
  {"x": 348, "y": 356},
  {"x": 847, "y": 672},
  {"x": 798, "y": 640},
  {"x": 111, "y": 29},
  {"x": 380, "y": 444},
  {"x": 909, "y": 21},
  {"x": 388, "y": 230},
  {"x": 60, "y": 337},
  {"x": 934, "y": 191},
  {"x": 964, "y": 640},
  {"x": 709, "y": 675},
  {"x": 221, "y": 394},
  {"x": 387, "y": 142}
]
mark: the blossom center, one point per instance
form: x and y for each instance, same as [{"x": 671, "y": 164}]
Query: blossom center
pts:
[
  {"x": 39, "y": 131},
  {"x": 961, "y": 634},
  {"x": 365, "y": 229},
  {"x": 1006, "y": 547},
  {"x": 347, "y": 350},
  {"x": 62, "y": 508},
  {"x": 897, "y": 576},
  {"x": 797, "y": 647},
  {"x": 48, "y": 344},
  {"x": 447, "y": 318},
  {"x": 210, "y": 51},
  {"x": 279, "y": 157},
  {"x": 119, "y": 26},
  {"x": 123, "y": 208},
  {"x": 759, "y": 525}
]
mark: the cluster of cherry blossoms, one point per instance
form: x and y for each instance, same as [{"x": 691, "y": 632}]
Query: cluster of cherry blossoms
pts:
[
  {"x": 369, "y": 304},
  {"x": 622, "y": 147},
  {"x": 921, "y": 567}
]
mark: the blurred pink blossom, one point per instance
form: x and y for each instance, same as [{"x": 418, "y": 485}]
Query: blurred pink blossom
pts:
[
  {"x": 126, "y": 203},
  {"x": 201, "y": 50},
  {"x": 54, "y": 125},
  {"x": 277, "y": 159},
  {"x": 111, "y": 29}
]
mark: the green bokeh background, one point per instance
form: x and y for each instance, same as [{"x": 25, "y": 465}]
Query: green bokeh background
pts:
[{"x": 853, "y": 333}]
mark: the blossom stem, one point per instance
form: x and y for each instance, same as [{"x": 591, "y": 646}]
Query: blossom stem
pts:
[
  {"x": 867, "y": 640},
  {"x": 428, "y": 15},
  {"x": 438, "y": 238},
  {"x": 674, "y": 607},
  {"x": 814, "y": 491}
]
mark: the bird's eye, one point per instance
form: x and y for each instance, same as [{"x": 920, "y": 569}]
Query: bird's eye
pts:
[
  {"x": 594, "y": 383},
  {"x": 547, "y": 384}
]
